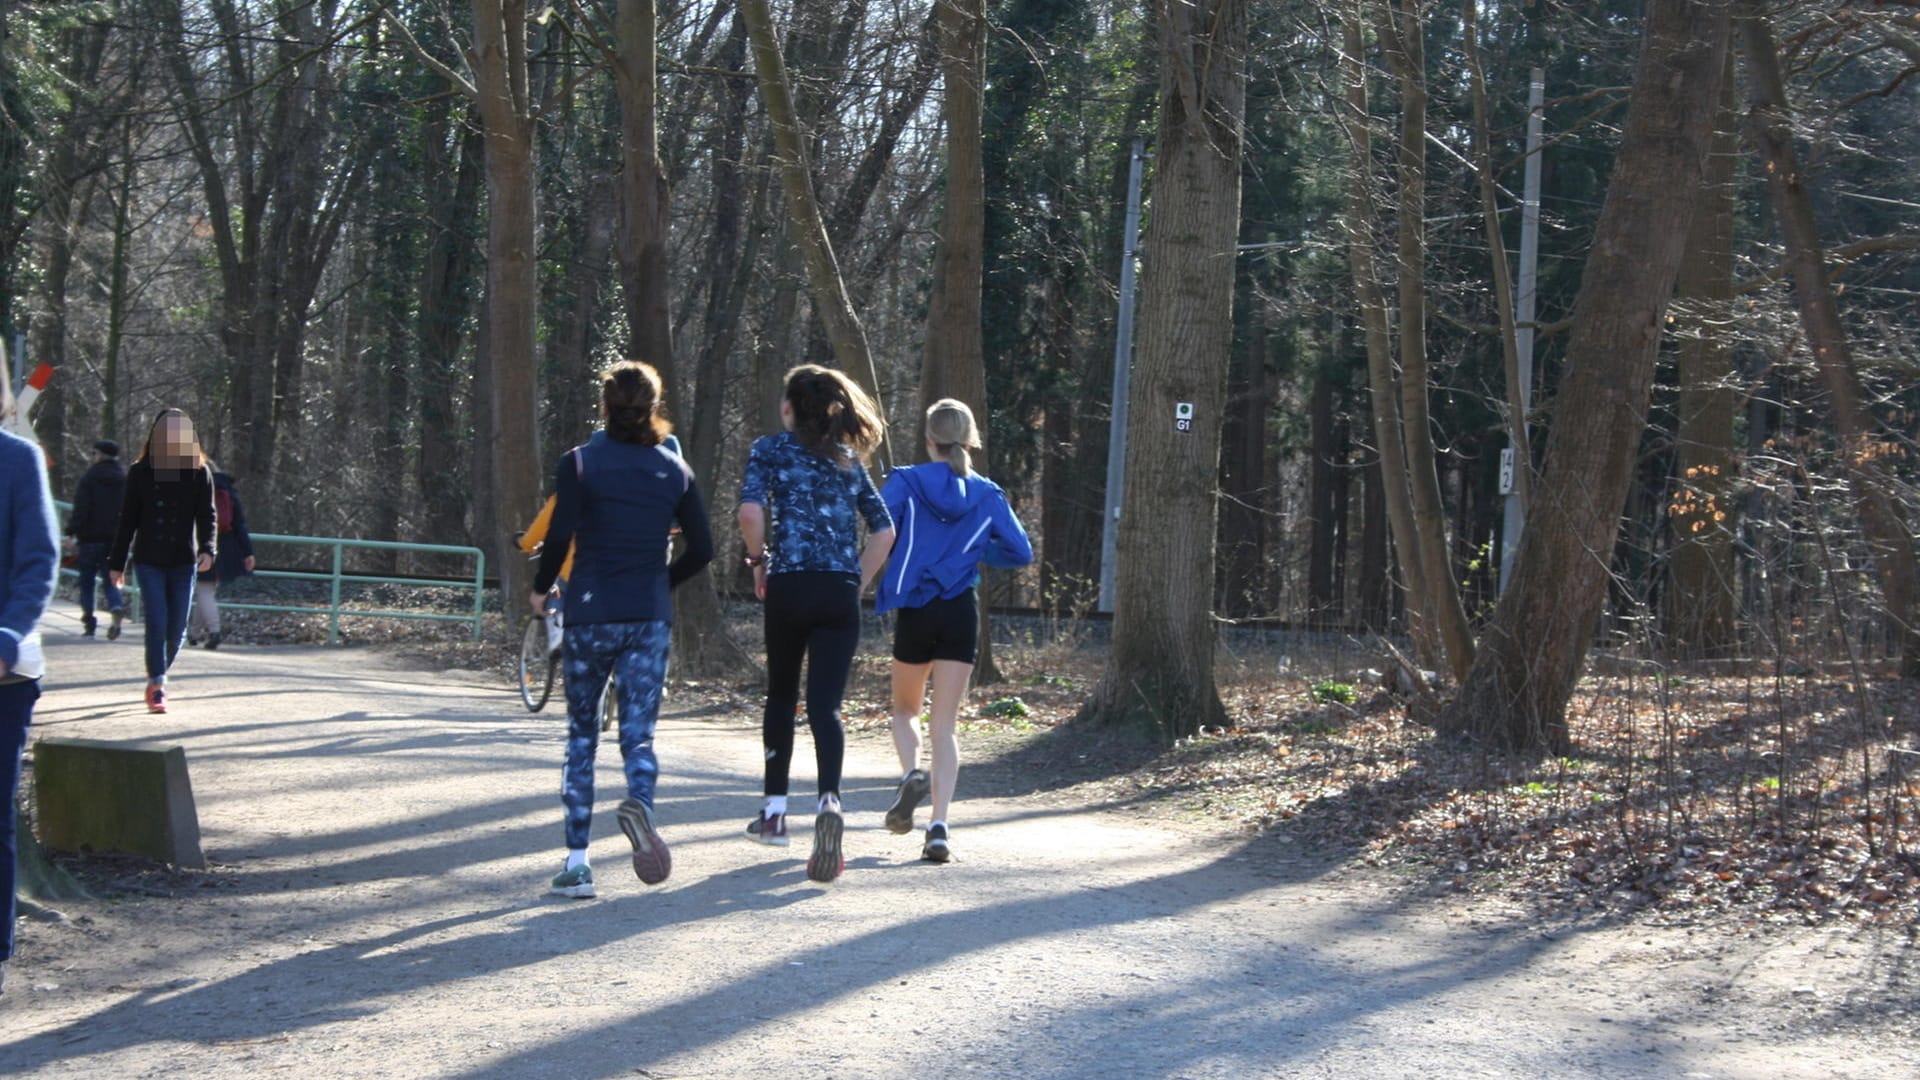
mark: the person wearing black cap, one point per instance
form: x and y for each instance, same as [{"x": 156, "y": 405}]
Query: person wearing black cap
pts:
[{"x": 95, "y": 517}]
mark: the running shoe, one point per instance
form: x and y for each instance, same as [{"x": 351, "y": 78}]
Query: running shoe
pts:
[
  {"x": 652, "y": 862},
  {"x": 113, "y": 626},
  {"x": 768, "y": 829},
  {"x": 156, "y": 698},
  {"x": 574, "y": 883},
  {"x": 213, "y": 640},
  {"x": 913, "y": 791},
  {"x": 827, "y": 862},
  {"x": 935, "y": 849},
  {"x": 87, "y": 625}
]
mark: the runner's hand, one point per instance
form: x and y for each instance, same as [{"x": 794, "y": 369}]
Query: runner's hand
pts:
[
  {"x": 760, "y": 581},
  {"x": 118, "y": 578},
  {"x": 205, "y": 564}
]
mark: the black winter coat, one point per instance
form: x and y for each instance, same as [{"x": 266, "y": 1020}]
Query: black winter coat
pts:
[
  {"x": 167, "y": 518},
  {"x": 96, "y": 503},
  {"x": 236, "y": 543}
]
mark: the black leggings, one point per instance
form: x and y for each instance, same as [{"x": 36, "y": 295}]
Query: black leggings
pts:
[{"x": 812, "y": 615}]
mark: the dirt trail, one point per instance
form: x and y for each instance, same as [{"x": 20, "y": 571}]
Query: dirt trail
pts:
[{"x": 382, "y": 840}]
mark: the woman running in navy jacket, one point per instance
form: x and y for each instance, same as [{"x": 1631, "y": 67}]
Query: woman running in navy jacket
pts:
[
  {"x": 618, "y": 497},
  {"x": 950, "y": 521}
]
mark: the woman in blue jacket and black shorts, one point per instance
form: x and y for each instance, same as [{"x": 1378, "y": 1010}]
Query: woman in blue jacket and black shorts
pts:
[{"x": 950, "y": 520}]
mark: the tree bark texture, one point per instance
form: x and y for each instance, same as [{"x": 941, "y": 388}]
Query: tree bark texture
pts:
[
  {"x": 500, "y": 75},
  {"x": 1702, "y": 599},
  {"x": 953, "y": 364},
  {"x": 806, "y": 230},
  {"x": 643, "y": 190},
  {"x": 1440, "y": 602},
  {"x": 1159, "y": 679},
  {"x": 1516, "y": 694},
  {"x": 1383, "y": 382},
  {"x": 1863, "y": 446}
]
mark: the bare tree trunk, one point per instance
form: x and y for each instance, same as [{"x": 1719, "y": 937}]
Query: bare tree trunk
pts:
[
  {"x": 953, "y": 364},
  {"x": 806, "y": 231},
  {"x": 1159, "y": 679},
  {"x": 1497, "y": 251},
  {"x": 1701, "y": 599},
  {"x": 703, "y": 646},
  {"x": 500, "y": 76},
  {"x": 643, "y": 203},
  {"x": 575, "y": 402},
  {"x": 1406, "y": 52},
  {"x": 1322, "y": 605},
  {"x": 1516, "y": 694},
  {"x": 1862, "y": 443},
  {"x": 446, "y": 300},
  {"x": 1382, "y": 381}
]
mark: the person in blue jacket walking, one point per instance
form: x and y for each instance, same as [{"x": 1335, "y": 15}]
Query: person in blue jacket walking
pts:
[
  {"x": 950, "y": 520},
  {"x": 29, "y": 559}
]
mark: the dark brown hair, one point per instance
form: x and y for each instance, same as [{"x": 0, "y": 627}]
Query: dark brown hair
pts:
[
  {"x": 630, "y": 397},
  {"x": 146, "y": 451},
  {"x": 830, "y": 410}
]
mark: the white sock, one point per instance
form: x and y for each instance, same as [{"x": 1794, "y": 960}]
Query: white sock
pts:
[
  {"x": 829, "y": 802},
  {"x": 576, "y": 858},
  {"x": 776, "y": 804},
  {"x": 932, "y": 825}
]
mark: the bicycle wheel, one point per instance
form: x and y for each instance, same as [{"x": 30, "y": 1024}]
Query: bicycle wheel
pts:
[
  {"x": 609, "y": 707},
  {"x": 537, "y": 666}
]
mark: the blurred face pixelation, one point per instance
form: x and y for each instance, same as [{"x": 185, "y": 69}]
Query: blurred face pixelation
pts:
[{"x": 173, "y": 443}]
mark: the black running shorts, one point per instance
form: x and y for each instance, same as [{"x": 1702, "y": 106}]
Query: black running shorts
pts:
[{"x": 941, "y": 630}]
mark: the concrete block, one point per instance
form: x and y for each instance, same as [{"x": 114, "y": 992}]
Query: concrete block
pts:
[{"x": 128, "y": 798}]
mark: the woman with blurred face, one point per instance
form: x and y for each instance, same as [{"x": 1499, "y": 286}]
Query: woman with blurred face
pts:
[{"x": 167, "y": 530}]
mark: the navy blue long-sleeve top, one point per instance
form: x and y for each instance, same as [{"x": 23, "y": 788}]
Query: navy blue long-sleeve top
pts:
[{"x": 616, "y": 505}]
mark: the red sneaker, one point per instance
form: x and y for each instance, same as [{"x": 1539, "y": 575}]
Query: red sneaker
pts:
[{"x": 156, "y": 698}]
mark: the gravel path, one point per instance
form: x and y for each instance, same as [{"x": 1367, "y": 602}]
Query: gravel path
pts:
[{"x": 382, "y": 840}]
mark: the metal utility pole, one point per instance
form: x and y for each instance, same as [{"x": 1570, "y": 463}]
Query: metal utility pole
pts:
[
  {"x": 1122, "y": 381},
  {"x": 1514, "y": 521}
]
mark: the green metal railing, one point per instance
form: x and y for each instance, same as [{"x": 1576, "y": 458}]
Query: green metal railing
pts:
[{"x": 336, "y": 577}]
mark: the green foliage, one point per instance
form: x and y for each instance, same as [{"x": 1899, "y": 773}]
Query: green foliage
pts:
[
  {"x": 1330, "y": 692},
  {"x": 1006, "y": 708}
]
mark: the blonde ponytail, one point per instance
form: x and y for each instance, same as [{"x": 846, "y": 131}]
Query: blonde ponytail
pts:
[{"x": 952, "y": 431}]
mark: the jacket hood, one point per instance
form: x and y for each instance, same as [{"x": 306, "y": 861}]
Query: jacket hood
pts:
[{"x": 949, "y": 495}]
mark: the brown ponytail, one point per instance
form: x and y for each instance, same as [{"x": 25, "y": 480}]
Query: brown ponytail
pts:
[
  {"x": 630, "y": 398},
  {"x": 829, "y": 410}
]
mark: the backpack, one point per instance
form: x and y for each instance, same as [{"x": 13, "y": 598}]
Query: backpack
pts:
[{"x": 223, "y": 509}]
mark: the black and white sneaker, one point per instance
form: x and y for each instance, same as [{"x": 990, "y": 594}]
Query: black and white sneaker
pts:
[
  {"x": 913, "y": 791},
  {"x": 936, "y": 849}
]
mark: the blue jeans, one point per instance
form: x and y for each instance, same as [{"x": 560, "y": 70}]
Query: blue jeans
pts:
[
  {"x": 91, "y": 563},
  {"x": 166, "y": 595},
  {"x": 16, "y": 712},
  {"x": 634, "y": 654}
]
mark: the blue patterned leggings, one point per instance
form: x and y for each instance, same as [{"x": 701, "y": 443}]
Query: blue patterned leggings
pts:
[{"x": 634, "y": 654}]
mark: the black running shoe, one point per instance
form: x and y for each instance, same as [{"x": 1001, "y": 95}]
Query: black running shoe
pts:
[
  {"x": 913, "y": 791},
  {"x": 113, "y": 625},
  {"x": 827, "y": 861},
  {"x": 936, "y": 849},
  {"x": 87, "y": 625},
  {"x": 213, "y": 640}
]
